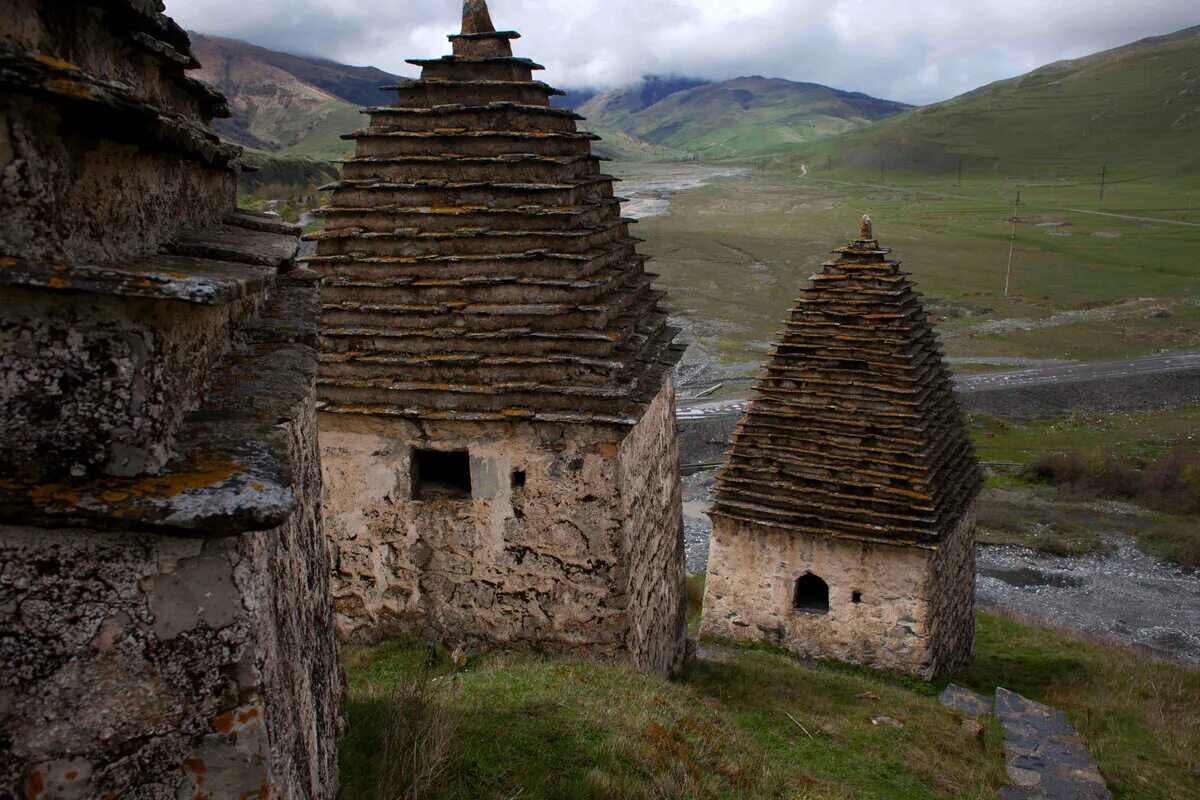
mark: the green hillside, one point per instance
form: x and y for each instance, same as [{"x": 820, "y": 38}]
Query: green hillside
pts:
[
  {"x": 740, "y": 118},
  {"x": 285, "y": 104},
  {"x": 1135, "y": 109}
]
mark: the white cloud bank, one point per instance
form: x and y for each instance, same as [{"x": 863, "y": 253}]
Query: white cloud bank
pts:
[{"x": 917, "y": 51}]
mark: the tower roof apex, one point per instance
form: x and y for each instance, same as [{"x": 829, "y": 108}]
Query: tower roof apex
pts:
[{"x": 476, "y": 18}]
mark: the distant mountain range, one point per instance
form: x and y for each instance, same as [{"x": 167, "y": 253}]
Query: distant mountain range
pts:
[
  {"x": 293, "y": 106},
  {"x": 1134, "y": 109},
  {"x": 1136, "y": 106},
  {"x": 744, "y": 117}
]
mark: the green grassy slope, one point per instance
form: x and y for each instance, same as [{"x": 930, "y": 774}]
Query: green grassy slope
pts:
[
  {"x": 735, "y": 119},
  {"x": 1135, "y": 108},
  {"x": 752, "y": 725}
]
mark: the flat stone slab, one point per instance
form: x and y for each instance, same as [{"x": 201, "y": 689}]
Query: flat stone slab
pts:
[
  {"x": 160, "y": 277},
  {"x": 1045, "y": 758},
  {"x": 239, "y": 244},
  {"x": 968, "y": 702}
]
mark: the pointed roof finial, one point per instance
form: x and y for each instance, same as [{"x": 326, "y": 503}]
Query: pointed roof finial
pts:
[
  {"x": 476, "y": 18},
  {"x": 866, "y": 233}
]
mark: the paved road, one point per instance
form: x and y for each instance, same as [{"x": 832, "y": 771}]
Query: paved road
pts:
[{"x": 1151, "y": 365}]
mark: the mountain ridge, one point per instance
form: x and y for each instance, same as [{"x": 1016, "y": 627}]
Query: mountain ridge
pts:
[{"x": 1134, "y": 109}]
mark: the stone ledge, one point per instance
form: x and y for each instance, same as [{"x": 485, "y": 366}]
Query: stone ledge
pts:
[
  {"x": 230, "y": 473},
  {"x": 124, "y": 115},
  {"x": 239, "y": 243},
  {"x": 162, "y": 277}
]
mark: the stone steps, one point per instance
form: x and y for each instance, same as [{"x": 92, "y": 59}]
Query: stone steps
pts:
[{"x": 1045, "y": 757}]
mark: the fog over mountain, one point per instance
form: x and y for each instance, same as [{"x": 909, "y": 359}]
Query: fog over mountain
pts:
[{"x": 916, "y": 51}]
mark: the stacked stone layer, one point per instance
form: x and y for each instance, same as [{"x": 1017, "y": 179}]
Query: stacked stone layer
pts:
[
  {"x": 477, "y": 266},
  {"x": 855, "y": 431},
  {"x": 168, "y": 626}
]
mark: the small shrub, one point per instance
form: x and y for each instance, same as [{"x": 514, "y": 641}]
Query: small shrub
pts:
[{"x": 1169, "y": 483}]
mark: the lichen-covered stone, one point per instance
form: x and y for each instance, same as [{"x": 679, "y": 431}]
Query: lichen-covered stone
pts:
[{"x": 159, "y": 667}]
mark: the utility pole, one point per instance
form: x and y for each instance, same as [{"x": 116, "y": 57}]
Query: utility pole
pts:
[
  {"x": 959, "y": 173},
  {"x": 829, "y": 164},
  {"x": 1103, "y": 179},
  {"x": 1012, "y": 247}
]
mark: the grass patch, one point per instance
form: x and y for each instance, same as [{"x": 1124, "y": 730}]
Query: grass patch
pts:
[
  {"x": 1139, "y": 717},
  {"x": 759, "y": 724},
  {"x": 1060, "y": 469}
]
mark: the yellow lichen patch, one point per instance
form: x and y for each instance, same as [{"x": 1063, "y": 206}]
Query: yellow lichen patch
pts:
[
  {"x": 247, "y": 715},
  {"x": 69, "y": 88},
  {"x": 57, "y": 63},
  {"x": 58, "y": 283},
  {"x": 7, "y": 263},
  {"x": 201, "y": 473}
]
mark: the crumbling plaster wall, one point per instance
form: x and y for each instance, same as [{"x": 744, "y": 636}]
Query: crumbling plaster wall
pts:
[
  {"x": 652, "y": 508},
  {"x": 530, "y": 566},
  {"x": 146, "y": 666},
  {"x": 585, "y": 557},
  {"x": 750, "y": 594}
]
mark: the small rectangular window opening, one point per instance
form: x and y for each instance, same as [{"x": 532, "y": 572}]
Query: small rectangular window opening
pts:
[
  {"x": 518, "y": 479},
  {"x": 856, "y": 598},
  {"x": 441, "y": 475}
]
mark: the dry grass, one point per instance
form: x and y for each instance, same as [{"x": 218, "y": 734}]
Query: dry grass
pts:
[{"x": 405, "y": 721}]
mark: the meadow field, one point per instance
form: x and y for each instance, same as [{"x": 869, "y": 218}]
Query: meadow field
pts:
[{"x": 1090, "y": 279}]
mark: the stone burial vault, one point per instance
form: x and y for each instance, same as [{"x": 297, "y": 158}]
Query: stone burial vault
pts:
[
  {"x": 843, "y": 524},
  {"x": 497, "y": 412},
  {"x": 166, "y": 627}
]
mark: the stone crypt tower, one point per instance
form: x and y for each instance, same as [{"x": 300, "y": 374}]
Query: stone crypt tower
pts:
[
  {"x": 498, "y": 422},
  {"x": 844, "y": 522}
]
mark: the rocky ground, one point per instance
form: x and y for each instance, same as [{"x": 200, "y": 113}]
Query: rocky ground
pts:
[{"x": 1120, "y": 595}]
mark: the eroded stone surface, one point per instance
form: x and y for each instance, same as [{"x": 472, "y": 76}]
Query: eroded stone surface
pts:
[{"x": 572, "y": 557}]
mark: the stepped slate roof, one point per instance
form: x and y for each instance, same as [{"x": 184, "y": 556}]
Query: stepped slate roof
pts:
[
  {"x": 854, "y": 430},
  {"x": 477, "y": 266}
]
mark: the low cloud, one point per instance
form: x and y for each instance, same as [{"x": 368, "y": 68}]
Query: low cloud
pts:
[{"x": 918, "y": 51}]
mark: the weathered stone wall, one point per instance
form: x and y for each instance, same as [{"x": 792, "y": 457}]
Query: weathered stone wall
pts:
[
  {"x": 751, "y": 584},
  {"x": 527, "y": 566},
  {"x": 67, "y": 196},
  {"x": 102, "y": 381},
  {"x": 136, "y": 665},
  {"x": 952, "y": 598},
  {"x": 562, "y": 560},
  {"x": 99, "y": 42},
  {"x": 652, "y": 507}
]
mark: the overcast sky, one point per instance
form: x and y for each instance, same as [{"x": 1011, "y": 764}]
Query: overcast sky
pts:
[{"x": 918, "y": 51}]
